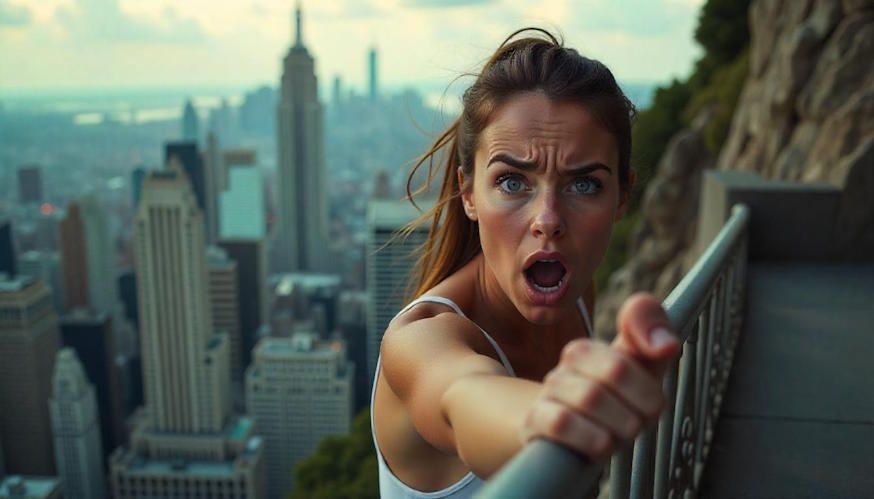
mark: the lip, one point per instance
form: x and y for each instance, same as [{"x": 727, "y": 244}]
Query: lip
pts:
[
  {"x": 544, "y": 255},
  {"x": 538, "y": 297}
]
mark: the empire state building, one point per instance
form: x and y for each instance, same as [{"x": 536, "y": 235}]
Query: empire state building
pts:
[{"x": 302, "y": 219}]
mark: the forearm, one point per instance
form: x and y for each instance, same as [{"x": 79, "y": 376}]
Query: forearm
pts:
[{"x": 486, "y": 413}]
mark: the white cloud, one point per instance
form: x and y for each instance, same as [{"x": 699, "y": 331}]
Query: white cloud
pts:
[{"x": 104, "y": 21}]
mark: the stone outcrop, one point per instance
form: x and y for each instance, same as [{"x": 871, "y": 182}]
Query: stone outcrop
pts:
[{"x": 806, "y": 114}]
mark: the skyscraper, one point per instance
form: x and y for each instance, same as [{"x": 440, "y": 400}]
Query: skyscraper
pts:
[
  {"x": 90, "y": 335},
  {"x": 29, "y": 341},
  {"x": 7, "y": 249},
  {"x": 213, "y": 175},
  {"x": 251, "y": 260},
  {"x": 371, "y": 66},
  {"x": 299, "y": 389},
  {"x": 388, "y": 267},
  {"x": 185, "y": 441},
  {"x": 242, "y": 205},
  {"x": 101, "y": 256},
  {"x": 185, "y": 374},
  {"x": 30, "y": 184},
  {"x": 76, "y": 428},
  {"x": 189, "y": 159},
  {"x": 44, "y": 266},
  {"x": 189, "y": 123},
  {"x": 137, "y": 177},
  {"x": 223, "y": 302},
  {"x": 303, "y": 217},
  {"x": 74, "y": 259}
]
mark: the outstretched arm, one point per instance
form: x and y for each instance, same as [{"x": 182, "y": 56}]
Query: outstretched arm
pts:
[{"x": 464, "y": 402}]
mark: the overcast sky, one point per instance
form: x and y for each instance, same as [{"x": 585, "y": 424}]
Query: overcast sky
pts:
[{"x": 91, "y": 44}]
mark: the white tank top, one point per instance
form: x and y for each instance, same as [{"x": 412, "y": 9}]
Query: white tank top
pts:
[{"x": 390, "y": 486}]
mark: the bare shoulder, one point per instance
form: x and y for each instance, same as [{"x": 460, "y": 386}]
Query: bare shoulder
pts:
[{"x": 424, "y": 352}]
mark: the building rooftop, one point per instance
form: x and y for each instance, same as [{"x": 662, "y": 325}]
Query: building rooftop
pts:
[
  {"x": 382, "y": 213},
  {"x": 15, "y": 284},
  {"x": 27, "y": 487}
]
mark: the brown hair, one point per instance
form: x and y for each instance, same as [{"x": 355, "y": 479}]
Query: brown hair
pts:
[{"x": 525, "y": 64}]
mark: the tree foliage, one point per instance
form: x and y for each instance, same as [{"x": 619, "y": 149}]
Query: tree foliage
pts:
[{"x": 342, "y": 467}]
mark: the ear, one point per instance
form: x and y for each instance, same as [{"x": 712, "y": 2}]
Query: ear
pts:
[
  {"x": 625, "y": 195},
  {"x": 466, "y": 195}
]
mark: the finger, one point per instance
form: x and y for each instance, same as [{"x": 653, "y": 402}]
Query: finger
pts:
[
  {"x": 645, "y": 333},
  {"x": 596, "y": 402},
  {"x": 557, "y": 422},
  {"x": 625, "y": 377}
]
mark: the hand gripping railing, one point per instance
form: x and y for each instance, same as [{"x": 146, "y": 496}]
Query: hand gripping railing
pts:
[{"x": 666, "y": 462}]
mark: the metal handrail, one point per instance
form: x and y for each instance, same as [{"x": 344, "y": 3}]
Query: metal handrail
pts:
[{"x": 705, "y": 309}]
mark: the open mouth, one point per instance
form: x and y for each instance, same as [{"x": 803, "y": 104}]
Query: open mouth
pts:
[{"x": 546, "y": 276}]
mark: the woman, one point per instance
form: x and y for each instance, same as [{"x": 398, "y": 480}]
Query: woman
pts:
[{"x": 536, "y": 173}]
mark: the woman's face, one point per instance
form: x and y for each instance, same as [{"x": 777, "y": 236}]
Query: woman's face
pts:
[{"x": 545, "y": 194}]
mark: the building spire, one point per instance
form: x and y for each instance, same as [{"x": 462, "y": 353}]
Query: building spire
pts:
[{"x": 298, "y": 33}]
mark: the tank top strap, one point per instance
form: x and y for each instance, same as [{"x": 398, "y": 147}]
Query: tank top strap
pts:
[
  {"x": 454, "y": 306},
  {"x": 586, "y": 319}
]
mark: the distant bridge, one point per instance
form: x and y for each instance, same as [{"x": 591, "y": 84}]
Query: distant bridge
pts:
[{"x": 773, "y": 395}]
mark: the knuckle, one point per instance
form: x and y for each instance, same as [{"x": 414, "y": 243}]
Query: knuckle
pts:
[
  {"x": 559, "y": 421},
  {"x": 590, "y": 397},
  {"x": 617, "y": 370},
  {"x": 574, "y": 349}
]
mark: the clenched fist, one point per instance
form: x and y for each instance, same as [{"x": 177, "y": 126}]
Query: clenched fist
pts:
[{"x": 601, "y": 395}]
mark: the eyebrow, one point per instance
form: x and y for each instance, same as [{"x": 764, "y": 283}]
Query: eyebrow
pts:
[{"x": 530, "y": 165}]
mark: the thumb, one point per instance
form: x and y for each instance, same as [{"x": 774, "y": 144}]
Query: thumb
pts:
[{"x": 645, "y": 333}]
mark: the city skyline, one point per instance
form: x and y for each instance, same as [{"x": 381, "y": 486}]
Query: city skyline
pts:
[{"x": 422, "y": 43}]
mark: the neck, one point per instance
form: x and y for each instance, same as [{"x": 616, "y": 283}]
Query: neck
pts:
[{"x": 496, "y": 313}]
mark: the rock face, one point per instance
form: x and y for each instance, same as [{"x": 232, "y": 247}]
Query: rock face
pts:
[{"x": 806, "y": 114}]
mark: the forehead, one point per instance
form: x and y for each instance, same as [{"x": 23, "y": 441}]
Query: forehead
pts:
[{"x": 530, "y": 121}]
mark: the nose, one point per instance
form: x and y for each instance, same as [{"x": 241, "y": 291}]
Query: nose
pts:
[{"x": 547, "y": 221}]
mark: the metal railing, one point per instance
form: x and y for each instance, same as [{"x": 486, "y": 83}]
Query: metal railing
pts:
[{"x": 666, "y": 462}]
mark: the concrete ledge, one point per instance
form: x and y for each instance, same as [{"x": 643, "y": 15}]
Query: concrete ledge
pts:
[{"x": 789, "y": 221}]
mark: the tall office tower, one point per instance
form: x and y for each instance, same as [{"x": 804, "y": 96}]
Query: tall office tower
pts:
[
  {"x": 223, "y": 122},
  {"x": 381, "y": 186},
  {"x": 89, "y": 334},
  {"x": 243, "y": 237},
  {"x": 250, "y": 257},
  {"x": 189, "y": 159},
  {"x": 299, "y": 389},
  {"x": 44, "y": 266},
  {"x": 337, "y": 93},
  {"x": 137, "y": 177},
  {"x": 352, "y": 322},
  {"x": 127, "y": 291},
  {"x": 185, "y": 441},
  {"x": 7, "y": 250},
  {"x": 76, "y": 428},
  {"x": 213, "y": 173},
  {"x": 102, "y": 294},
  {"x": 224, "y": 303},
  {"x": 189, "y": 123},
  {"x": 242, "y": 205},
  {"x": 257, "y": 112},
  {"x": 303, "y": 211},
  {"x": 74, "y": 259},
  {"x": 30, "y": 185},
  {"x": 388, "y": 267},
  {"x": 31, "y": 487},
  {"x": 29, "y": 341},
  {"x": 371, "y": 67}
]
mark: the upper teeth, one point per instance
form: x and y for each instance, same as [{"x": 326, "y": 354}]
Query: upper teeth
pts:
[{"x": 547, "y": 261}]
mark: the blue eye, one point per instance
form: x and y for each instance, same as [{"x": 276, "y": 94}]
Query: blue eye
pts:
[
  {"x": 511, "y": 184},
  {"x": 586, "y": 185}
]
